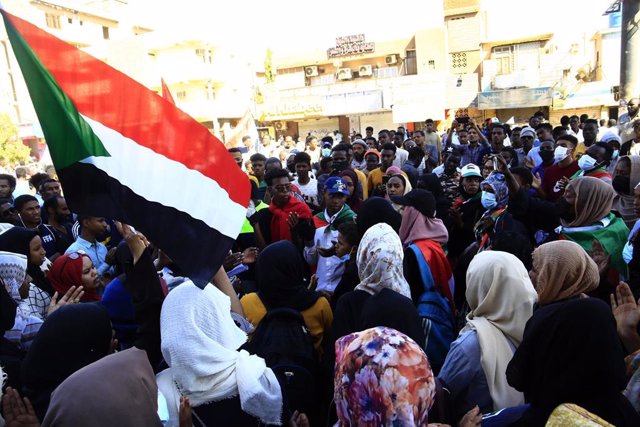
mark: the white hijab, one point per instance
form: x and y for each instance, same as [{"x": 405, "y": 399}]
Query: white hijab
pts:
[
  {"x": 200, "y": 342},
  {"x": 13, "y": 270},
  {"x": 379, "y": 261},
  {"x": 501, "y": 297}
]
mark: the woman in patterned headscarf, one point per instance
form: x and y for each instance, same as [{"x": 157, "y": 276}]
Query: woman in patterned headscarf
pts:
[
  {"x": 382, "y": 378},
  {"x": 496, "y": 219}
]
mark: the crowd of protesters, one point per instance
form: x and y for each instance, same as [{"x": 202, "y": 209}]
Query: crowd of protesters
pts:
[{"x": 486, "y": 276}]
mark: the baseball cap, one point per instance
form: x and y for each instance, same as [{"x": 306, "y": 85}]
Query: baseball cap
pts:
[
  {"x": 336, "y": 185},
  {"x": 327, "y": 144},
  {"x": 470, "y": 170},
  {"x": 528, "y": 131},
  {"x": 420, "y": 199}
]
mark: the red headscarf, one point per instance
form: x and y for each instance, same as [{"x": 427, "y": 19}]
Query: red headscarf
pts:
[
  {"x": 66, "y": 272},
  {"x": 279, "y": 227}
]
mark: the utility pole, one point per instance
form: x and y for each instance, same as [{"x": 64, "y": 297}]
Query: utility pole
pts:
[{"x": 630, "y": 50}]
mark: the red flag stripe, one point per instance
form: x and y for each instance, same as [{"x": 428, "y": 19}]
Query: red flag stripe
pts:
[{"x": 143, "y": 116}]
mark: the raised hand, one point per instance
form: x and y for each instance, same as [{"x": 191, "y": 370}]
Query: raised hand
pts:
[
  {"x": 627, "y": 314},
  {"x": 293, "y": 220},
  {"x": 137, "y": 242},
  {"x": 600, "y": 256},
  {"x": 18, "y": 412},
  {"x": 472, "y": 418},
  {"x": 250, "y": 255},
  {"x": 72, "y": 296},
  {"x": 299, "y": 420}
]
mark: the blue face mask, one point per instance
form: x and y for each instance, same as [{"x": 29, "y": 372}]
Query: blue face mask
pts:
[
  {"x": 488, "y": 200},
  {"x": 326, "y": 152}
]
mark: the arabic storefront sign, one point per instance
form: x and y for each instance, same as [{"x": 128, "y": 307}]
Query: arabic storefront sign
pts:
[
  {"x": 352, "y": 102},
  {"x": 515, "y": 98},
  {"x": 350, "y": 45},
  {"x": 293, "y": 108}
]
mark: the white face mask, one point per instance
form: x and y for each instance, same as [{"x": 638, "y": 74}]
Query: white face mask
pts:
[
  {"x": 616, "y": 154},
  {"x": 560, "y": 154},
  {"x": 586, "y": 162},
  {"x": 627, "y": 252}
]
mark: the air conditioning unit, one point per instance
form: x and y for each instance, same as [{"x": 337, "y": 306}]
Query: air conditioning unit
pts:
[
  {"x": 311, "y": 71},
  {"x": 365, "y": 71},
  {"x": 391, "y": 59},
  {"x": 344, "y": 74}
]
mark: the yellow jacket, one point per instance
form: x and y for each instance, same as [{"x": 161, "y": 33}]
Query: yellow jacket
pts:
[{"x": 317, "y": 318}]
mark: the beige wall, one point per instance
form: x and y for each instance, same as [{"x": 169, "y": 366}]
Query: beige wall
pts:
[{"x": 431, "y": 45}]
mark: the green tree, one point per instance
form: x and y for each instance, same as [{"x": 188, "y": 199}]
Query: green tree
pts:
[
  {"x": 268, "y": 68},
  {"x": 11, "y": 147}
]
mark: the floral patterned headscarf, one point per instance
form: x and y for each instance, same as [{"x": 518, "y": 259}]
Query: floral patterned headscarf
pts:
[
  {"x": 382, "y": 378},
  {"x": 379, "y": 261}
]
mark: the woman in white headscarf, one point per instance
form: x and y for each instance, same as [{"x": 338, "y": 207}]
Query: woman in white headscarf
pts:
[
  {"x": 13, "y": 274},
  {"x": 501, "y": 298},
  {"x": 199, "y": 343}
]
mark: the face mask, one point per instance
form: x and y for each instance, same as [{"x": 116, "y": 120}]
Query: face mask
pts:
[
  {"x": 488, "y": 200},
  {"x": 627, "y": 252},
  {"x": 326, "y": 152},
  {"x": 339, "y": 166},
  {"x": 622, "y": 184},
  {"x": 615, "y": 155},
  {"x": 560, "y": 154},
  {"x": 546, "y": 156},
  {"x": 564, "y": 210},
  {"x": 586, "y": 162}
]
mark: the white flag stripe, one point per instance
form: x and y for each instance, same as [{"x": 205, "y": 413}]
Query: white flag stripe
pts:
[{"x": 160, "y": 179}]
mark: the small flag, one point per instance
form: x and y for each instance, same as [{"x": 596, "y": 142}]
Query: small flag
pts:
[
  {"x": 246, "y": 127},
  {"x": 125, "y": 153},
  {"x": 166, "y": 93}
]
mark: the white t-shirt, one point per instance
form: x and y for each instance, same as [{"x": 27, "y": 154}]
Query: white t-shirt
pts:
[{"x": 309, "y": 191}]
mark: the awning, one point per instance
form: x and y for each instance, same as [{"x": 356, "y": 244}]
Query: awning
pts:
[
  {"x": 503, "y": 42},
  {"x": 586, "y": 95},
  {"x": 515, "y": 98}
]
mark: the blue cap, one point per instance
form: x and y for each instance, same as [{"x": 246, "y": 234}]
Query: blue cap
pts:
[{"x": 336, "y": 185}]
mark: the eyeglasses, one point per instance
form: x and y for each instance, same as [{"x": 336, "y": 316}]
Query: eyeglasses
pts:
[{"x": 283, "y": 188}]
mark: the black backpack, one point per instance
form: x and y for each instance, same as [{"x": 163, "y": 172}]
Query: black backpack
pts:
[{"x": 283, "y": 341}]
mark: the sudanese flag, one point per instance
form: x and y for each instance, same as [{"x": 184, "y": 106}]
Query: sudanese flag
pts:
[{"x": 123, "y": 152}]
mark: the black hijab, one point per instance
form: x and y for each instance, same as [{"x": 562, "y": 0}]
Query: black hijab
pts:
[
  {"x": 17, "y": 240},
  {"x": 376, "y": 210},
  {"x": 71, "y": 338},
  {"x": 431, "y": 182},
  {"x": 571, "y": 353},
  {"x": 280, "y": 270}
]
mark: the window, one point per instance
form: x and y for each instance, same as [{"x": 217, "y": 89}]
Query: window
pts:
[
  {"x": 503, "y": 55},
  {"x": 458, "y": 61},
  {"x": 523, "y": 56},
  {"x": 432, "y": 64},
  {"x": 53, "y": 20},
  {"x": 70, "y": 20},
  {"x": 105, "y": 33},
  {"x": 181, "y": 95},
  {"x": 385, "y": 72},
  {"x": 411, "y": 63}
]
